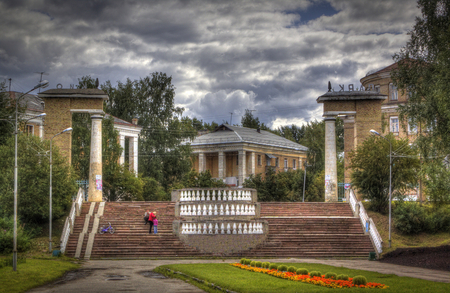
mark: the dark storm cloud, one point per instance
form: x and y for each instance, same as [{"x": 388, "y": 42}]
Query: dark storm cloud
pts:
[{"x": 225, "y": 56}]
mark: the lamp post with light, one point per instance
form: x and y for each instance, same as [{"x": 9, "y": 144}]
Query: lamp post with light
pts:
[
  {"x": 42, "y": 84},
  {"x": 50, "y": 196},
  {"x": 304, "y": 181},
  {"x": 390, "y": 180}
]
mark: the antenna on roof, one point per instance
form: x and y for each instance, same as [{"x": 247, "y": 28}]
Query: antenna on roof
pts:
[
  {"x": 40, "y": 80},
  {"x": 231, "y": 119}
]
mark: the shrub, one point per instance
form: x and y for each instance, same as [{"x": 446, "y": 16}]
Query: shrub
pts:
[
  {"x": 7, "y": 236},
  {"x": 273, "y": 267},
  {"x": 291, "y": 269},
  {"x": 342, "y": 277},
  {"x": 438, "y": 221},
  {"x": 242, "y": 262},
  {"x": 258, "y": 264},
  {"x": 315, "y": 274},
  {"x": 409, "y": 218},
  {"x": 302, "y": 271},
  {"x": 252, "y": 263},
  {"x": 282, "y": 268},
  {"x": 266, "y": 264},
  {"x": 359, "y": 280},
  {"x": 331, "y": 275}
]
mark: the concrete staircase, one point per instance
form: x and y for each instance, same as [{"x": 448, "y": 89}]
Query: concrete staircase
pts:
[{"x": 295, "y": 230}]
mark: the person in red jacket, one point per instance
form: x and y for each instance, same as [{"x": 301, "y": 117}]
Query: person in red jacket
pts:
[{"x": 151, "y": 217}]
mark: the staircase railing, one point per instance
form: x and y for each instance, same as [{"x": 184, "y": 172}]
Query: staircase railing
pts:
[
  {"x": 70, "y": 220},
  {"x": 366, "y": 221}
]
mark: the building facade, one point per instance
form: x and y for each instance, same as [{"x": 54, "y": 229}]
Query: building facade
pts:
[{"x": 232, "y": 153}]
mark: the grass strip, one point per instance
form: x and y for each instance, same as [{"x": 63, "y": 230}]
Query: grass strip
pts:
[
  {"x": 33, "y": 273},
  {"x": 234, "y": 279}
]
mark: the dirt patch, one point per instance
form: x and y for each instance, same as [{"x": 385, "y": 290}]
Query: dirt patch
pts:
[{"x": 435, "y": 258}]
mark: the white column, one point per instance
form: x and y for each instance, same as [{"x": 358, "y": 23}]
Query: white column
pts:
[
  {"x": 122, "y": 144},
  {"x": 201, "y": 162},
  {"x": 253, "y": 163},
  {"x": 132, "y": 154},
  {"x": 222, "y": 165},
  {"x": 242, "y": 173},
  {"x": 135, "y": 155},
  {"x": 330, "y": 160},
  {"x": 41, "y": 130},
  {"x": 95, "y": 168}
]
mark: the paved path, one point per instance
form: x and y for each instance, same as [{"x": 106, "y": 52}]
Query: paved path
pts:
[{"x": 125, "y": 275}]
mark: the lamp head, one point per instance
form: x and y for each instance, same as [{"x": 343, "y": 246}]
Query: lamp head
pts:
[
  {"x": 67, "y": 129},
  {"x": 374, "y": 132},
  {"x": 41, "y": 115},
  {"x": 42, "y": 84}
]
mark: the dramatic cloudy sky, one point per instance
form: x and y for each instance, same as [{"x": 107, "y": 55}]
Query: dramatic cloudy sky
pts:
[{"x": 274, "y": 57}]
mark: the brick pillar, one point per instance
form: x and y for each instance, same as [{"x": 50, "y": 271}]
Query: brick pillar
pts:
[
  {"x": 122, "y": 144},
  {"x": 222, "y": 165},
  {"x": 95, "y": 169},
  {"x": 330, "y": 160},
  {"x": 242, "y": 173}
]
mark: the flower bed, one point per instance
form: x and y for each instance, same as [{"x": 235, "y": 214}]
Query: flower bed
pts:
[{"x": 321, "y": 281}]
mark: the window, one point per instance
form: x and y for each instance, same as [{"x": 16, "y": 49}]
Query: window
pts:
[
  {"x": 259, "y": 160},
  {"x": 377, "y": 88},
  {"x": 393, "y": 93},
  {"x": 294, "y": 166},
  {"x": 394, "y": 124},
  {"x": 30, "y": 129},
  {"x": 277, "y": 164},
  {"x": 285, "y": 163},
  {"x": 268, "y": 161}
]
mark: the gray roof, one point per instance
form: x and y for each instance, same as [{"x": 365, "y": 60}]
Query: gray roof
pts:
[
  {"x": 233, "y": 134},
  {"x": 74, "y": 93}
]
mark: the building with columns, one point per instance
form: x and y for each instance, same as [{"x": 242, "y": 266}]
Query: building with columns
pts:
[
  {"x": 33, "y": 106},
  {"x": 128, "y": 132},
  {"x": 232, "y": 153}
]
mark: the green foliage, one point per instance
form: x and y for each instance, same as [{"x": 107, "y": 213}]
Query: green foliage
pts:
[
  {"x": 273, "y": 266},
  {"x": 249, "y": 121},
  {"x": 423, "y": 71},
  {"x": 302, "y": 271},
  {"x": 315, "y": 274},
  {"x": 342, "y": 277},
  {"x": 252, "y": 263},
  {"x": 242, "y": 261},
  {"x": 7, "y": 235},
  {"x": 258, "y": 264},
  {"x": 291, "y": 269},
  {"x": 266, "y": 264},
  {"x": 193, "y": 179},
  {"x": 370, "y": 165},
  {"x": 282, "y": 268},
  {"x": 409, "y": 218},
  {"x": 153, "y": 191},
  {"x": 7, "y": 111},
  {"x": 34, "y": 180},
  {"x": 248, "y": 261},
  {"x": 81, "y": 144},
  {"x": 437, "y": 181},
  {"x": 331, "y": 275},
  {"x": 412, "y": 218},
  {"x": 359, "y": 280}
]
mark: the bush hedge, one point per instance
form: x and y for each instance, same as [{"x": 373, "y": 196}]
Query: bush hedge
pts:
[{"x": 302, "y": 271}]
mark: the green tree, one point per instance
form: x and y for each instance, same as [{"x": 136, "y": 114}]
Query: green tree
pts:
[
  {"x": 203, "y": 179},
  {"x": 7, "y": 114},
  {"x": 34, "y": 180},
  {"x": 424, "y": 72},
  {"x": 370, "y": 166},
  {"x": 250, "y": 121}
]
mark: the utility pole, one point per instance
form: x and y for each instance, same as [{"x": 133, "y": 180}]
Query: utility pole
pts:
[{"x": 231, "y": 119}]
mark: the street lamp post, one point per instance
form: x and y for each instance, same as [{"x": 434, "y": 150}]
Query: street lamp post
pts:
[
  {"x": 390, "y": 181},
  {"x": 50, "y": 197},
  {"x": 41, "y": 84}
]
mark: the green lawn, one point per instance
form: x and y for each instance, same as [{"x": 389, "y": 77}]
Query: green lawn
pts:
[
  {"x": 33, "y": 273},
  {"x": 239, "y": 280}
]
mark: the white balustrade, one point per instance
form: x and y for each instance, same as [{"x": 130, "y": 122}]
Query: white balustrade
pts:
[
  {"x": 228, "y": 228},
  {"x": 234, "y": 229}
]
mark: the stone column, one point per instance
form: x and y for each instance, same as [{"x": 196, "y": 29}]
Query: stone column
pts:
[
  {"x": 95, "y": 168},
  {"x": 41, "y": 130},
  {"x": 222, "y": 165},
  {"x": 133, "y": 153},
  {"x": 122, "y": 144},
  {"x": 242, "y": 168},
  {"x": 253, "y": 163},
  {"x": 201, "y": 162},
  {"x": 330, "y": 160}
]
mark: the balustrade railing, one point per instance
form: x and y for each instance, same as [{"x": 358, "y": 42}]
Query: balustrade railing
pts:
[
  {"x": 222, "y": 228},
  {"x": 366, "y": 221},
  {"x": 217, "y": 209},
  {"x": 216, "y": 195},
  {"x": 70, "y": 220}
]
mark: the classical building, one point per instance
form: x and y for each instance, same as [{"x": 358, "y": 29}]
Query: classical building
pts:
[
  {"x": 232, "y": 153},
  {"x": 379, "y": 80}
]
